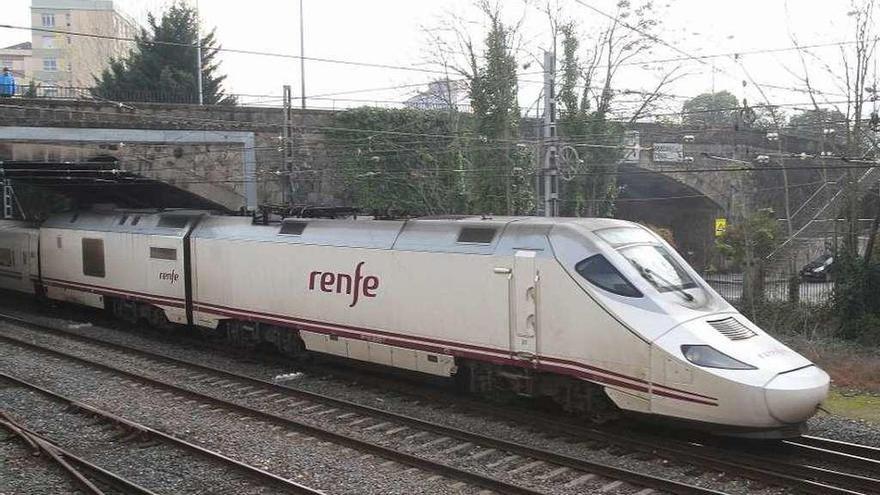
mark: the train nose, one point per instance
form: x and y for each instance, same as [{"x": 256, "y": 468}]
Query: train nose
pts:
[{"x": 794, "y": 396}]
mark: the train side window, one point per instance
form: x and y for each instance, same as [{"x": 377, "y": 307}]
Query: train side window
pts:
[
  {"x": 158, "y": 253},
  {"x": 93, "y": 257},
  {"x": 601, "y": 273},
  {"x": 6, "y": 258}
]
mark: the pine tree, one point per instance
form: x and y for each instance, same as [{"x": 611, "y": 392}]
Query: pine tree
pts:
[{"x": 162, "y": 67}]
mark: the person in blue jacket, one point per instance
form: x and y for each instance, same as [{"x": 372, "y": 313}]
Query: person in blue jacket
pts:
[{"x": 7, "y": 83}]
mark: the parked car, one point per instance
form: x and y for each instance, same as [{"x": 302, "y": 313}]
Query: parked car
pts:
[{"x": 820, "y": 269}]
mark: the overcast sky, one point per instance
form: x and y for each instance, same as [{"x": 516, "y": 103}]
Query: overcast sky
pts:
[{"x": 393, "y": 32}]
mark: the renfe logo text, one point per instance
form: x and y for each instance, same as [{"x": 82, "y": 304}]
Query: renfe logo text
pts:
[
  {"x": 171, "y": 276},
  {"x": 339, "y": 283}
]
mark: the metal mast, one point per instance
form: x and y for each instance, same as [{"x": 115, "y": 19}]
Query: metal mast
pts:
[{"x": 550, "y": 169}]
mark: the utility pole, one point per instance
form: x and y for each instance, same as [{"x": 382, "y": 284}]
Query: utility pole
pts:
[
  {"x": 199, "y": 53},
  {"x": 549, "y": 138},
  {"x": 302, "y": 58},
  {"x": 287, "y": 142}
]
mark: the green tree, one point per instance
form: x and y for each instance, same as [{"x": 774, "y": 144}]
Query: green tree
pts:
[
  {"x": 748, "y": 243},
  {"x": 812, "y": 122},
  {"x": 163, "y": 67},
  {"x": 499, "y": 180},
  {"x": 392, "y": 173},
  {"x": 710, "y": 110},
  {"x": 593, "y": 190},
  {"x": 755, "y": 236},
  {"x": 586, "y": 98}
]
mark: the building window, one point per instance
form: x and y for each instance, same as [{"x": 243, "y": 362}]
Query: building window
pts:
[
  {"x": 50, "y": 64},
  {"x": 48, "y": 42},
  {"x": 50, "y": 91},
  {"x": 48, "y": 20},
  {"x": 93, "y": 257}
]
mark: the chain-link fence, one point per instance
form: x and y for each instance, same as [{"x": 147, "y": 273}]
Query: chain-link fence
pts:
[{"x": 812, "y": 288}]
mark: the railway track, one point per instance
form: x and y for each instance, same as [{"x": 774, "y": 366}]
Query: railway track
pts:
[
  {"x": 81, "y": 471},
  {"x": 826, "y": 446},
  {"x": 427, "y": 446},
  {"x": 133, "y": 434},
  {"x": 804, "y": 477}
]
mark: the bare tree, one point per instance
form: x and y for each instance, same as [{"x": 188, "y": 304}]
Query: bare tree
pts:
[
  {"x": 587, "y": 95},
  {"x": 849, "y": 73}
]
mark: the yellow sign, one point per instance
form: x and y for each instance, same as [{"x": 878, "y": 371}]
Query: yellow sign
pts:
[{"x": 720, "y": 226}]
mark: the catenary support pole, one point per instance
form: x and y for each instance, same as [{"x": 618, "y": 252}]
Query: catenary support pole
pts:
[
  {"x": 302, "y": 58},
  {"x": 199, "y": 54},
  {"x": 550, "y": 169}
]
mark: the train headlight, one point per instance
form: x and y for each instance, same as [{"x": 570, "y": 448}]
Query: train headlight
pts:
[{"x": 709, "y": 357}]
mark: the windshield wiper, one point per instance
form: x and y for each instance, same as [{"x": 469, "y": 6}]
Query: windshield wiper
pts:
[{"x": 650, "y": 275}]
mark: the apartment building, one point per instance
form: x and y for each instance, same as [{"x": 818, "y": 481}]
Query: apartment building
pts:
[
  {"x": 17, "y": 59},
  {"x": 63, "y": 64}
]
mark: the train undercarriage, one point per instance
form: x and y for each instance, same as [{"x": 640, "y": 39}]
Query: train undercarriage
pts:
[{"x": 486, "y": 380}]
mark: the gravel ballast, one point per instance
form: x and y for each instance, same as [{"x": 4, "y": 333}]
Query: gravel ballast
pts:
[
  {"x": 22, "y": 472},
  {"x": 298, "y": 457},
  {"x": 492, "y": 464},
  {"x": 246, "y": 363}
]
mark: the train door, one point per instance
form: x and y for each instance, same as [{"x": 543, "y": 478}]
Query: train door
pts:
[
  {"x": 32, "y": 252},
  {"x": 524, "y": 305}
]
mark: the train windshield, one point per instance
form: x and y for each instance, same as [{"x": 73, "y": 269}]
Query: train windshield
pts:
[
  {"x": 658, "y": 267},
  {"x": 652, "y": 261}
]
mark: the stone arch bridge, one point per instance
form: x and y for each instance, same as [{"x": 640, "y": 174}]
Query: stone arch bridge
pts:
[{"x": 228, "y": 154}]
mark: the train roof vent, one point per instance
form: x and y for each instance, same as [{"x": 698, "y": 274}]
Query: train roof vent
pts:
[
  {"x": 732, "y": 329},
  {"x": 173, "y": 221},
  {"x": 289, "y": 227},
  {"x": 476, "y": 235}
]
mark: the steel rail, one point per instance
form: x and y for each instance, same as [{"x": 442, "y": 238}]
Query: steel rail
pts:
[
  {"x": 288, "y": 485},
  {"x": 339, "y": 439},
  {"x": 632, "y": 477},
  {"x": 42, "y": 444},
  {"x": 808, "y": 479},
  {"x": 828, "y": 444}
]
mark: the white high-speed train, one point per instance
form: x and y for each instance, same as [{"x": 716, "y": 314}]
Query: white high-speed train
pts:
[{"x": 597, "y": 314}]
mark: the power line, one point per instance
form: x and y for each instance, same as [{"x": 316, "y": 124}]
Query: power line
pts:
[{"x": 228, "y": 50}]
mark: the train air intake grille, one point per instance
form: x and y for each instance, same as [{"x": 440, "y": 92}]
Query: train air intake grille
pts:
[{"x": 732, "y": 329}]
